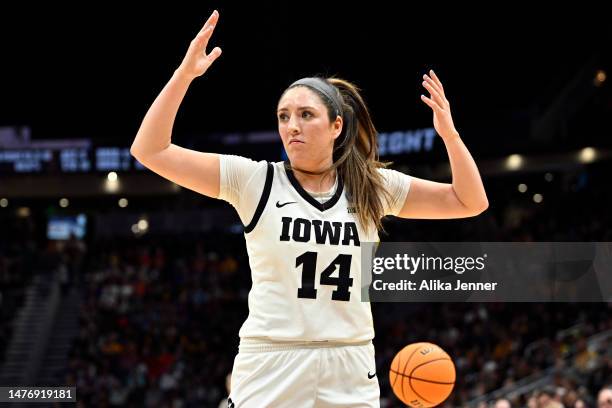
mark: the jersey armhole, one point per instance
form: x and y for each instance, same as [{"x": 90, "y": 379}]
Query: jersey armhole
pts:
[{"x": 262, "y": 200}]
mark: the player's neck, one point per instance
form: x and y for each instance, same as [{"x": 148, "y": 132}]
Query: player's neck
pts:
[{"x": 316, "y": 183}]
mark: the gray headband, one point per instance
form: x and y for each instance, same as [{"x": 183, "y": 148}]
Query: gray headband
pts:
[{"x": 323, "y": 87}]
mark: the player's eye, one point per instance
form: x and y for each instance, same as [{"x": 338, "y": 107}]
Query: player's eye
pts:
[
  {"x": 282, "y": 117},
  {"x": 307, "y": 114}
]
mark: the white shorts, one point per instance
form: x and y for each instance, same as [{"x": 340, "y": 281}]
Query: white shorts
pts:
[{"x": 304, "y": 375}]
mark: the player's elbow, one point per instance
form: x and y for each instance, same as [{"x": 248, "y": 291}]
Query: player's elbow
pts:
[
  {"x": 481, "y": 207},
  {"x": 138, "y": 154},
  {"x": 142, "y": 152},
  {"x": 473, "y": 208},
  {"x": 135, "y": 151}
]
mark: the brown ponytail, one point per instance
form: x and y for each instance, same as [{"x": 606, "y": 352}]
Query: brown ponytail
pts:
[{"x": 356, "y": 157}]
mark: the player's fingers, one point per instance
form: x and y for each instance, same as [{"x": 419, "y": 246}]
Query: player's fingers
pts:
[
  {"x": 199, "y": 43},
  {"x": 213, "y": 55},
  {"x": 211, "y": 22},
  {"x": 437, "y": 80},
  {"x": 434, "y": 93},
  {"x": 431, "y": 103},
  {"x": 431, "y": 82},
  {"x": 437, "y": 87}
]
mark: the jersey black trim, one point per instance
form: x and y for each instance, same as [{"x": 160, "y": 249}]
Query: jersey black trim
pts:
[
  {"x": 320, "y": 206},
  {"x": 262, "y": 200}
]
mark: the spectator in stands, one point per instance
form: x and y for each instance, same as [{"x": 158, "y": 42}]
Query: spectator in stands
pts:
[
  {"x": 604, "y": 398},
  {"x": 502, "y": 403}
]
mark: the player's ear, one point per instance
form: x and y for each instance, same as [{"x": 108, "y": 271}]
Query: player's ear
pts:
[{"x": 337, "y": 126}]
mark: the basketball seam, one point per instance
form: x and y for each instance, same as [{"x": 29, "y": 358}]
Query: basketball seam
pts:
[
  {"x": 405, "y": 365},
  {"x": 414, "y": 369},
  {"x": 427, "y": 362},
  {"x": 422, "y": 379},
  {"x": 415, "y": 391},
  {"x": 399, "y": 363}
]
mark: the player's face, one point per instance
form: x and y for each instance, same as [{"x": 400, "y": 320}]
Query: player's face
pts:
[{"x": 305, "y": 129}]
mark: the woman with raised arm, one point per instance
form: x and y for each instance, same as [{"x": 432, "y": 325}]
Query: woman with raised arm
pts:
[{"x": 307, "y": 341}]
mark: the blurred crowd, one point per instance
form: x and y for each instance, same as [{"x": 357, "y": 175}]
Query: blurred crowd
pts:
[
  {"x": 160, "y": 322},
  {"x": 160, "y": 315},
  {"x": 160, "y": 325}
]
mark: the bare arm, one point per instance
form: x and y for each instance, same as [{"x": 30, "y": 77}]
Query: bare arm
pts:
[
  {"x": 152, "y": 146},
  {"x": 466, "y": 196}
]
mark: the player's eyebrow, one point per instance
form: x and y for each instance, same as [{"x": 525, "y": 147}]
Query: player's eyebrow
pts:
[{"x": 299, "y": 108}]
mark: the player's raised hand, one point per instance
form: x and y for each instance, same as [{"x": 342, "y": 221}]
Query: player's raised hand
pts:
[
  {"x": 443, "y": 120},
  {"x": 196, "y": 61}
]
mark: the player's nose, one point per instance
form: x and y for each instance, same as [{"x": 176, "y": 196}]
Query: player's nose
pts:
[{"x": 293, "y": 125}]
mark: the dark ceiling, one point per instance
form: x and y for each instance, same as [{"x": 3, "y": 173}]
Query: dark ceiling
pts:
[{"x": 93, "y": 71}]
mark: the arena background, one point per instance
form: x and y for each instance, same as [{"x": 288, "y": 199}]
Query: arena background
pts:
[{"x": 144, "y": 308}]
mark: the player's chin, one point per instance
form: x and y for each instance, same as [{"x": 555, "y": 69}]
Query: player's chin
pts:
[
  {"x": 297, "y": 155},
  {"x": 296, "y": 148}
]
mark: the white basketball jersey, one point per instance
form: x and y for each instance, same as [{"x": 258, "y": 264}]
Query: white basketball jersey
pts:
[{"x": 305, "y": 260}]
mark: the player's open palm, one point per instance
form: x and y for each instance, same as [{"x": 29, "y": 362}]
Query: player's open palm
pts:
[{"x": 196, "y": 61}]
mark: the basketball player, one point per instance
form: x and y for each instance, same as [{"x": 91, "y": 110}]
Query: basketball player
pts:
[{"x": 307, "y": 341}]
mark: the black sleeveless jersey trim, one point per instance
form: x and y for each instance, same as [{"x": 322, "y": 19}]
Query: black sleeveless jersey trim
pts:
[
  {"x": 310, "y": 199},
  {"x": 263, "y": 199}
]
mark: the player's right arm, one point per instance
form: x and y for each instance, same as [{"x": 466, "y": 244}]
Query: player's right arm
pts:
[{"x": 152, "y": 146}]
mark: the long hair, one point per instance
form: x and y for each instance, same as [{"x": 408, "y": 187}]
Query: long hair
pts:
[{"x": 355, "y": 155}]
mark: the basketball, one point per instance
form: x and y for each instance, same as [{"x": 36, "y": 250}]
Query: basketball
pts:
[{"x": 422, "y": 375}]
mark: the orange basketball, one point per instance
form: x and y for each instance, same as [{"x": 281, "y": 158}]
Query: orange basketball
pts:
[{"x": 422, "y": 375}]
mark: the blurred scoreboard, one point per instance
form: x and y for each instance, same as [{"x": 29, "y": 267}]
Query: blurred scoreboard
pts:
[
  {"x": 64, "y": 158},
  {"x": 20, "y": 155}
]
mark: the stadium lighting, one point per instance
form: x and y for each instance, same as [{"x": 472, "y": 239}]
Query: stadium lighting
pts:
[
  {"x": 140, "y": 227},
  {"x": 111, "y": 186},
  {"x": 522, "y": 187},
  {"x": 23, "y": 212},
  {"x": 123, "y": 202},
  {"x": 112, "y": 176},
  {"x": 600, "y": 77},
  {"x": 537, "y": 198},
  {"x": 143, "y": 225},
  {"x": 548, "y": 177},
  {"x": 4, "y": 202},
  {"x": 64, "y": 202},
  {"x": 587, "y": 155},
  {"x": 514, "y": 162}
]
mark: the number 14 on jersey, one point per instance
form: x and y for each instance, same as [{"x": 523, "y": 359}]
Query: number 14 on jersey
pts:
[{"x": 308, "y": 261}]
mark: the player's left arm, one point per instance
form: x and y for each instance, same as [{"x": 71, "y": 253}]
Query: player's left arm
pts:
[{"x": 466, "y": 196}]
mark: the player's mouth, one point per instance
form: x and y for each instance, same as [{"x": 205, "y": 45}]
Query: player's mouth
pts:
[{"x": 295, "y": 141}]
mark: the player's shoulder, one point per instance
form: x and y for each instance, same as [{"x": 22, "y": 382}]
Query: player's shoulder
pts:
[
  {"x": 387, "y": 174},
  {"x": 277, "y": 166},
  {"x": 242, "y": 162},
  {"x": 386, "y": 171},
  {"x": 390, "y": 174}
]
